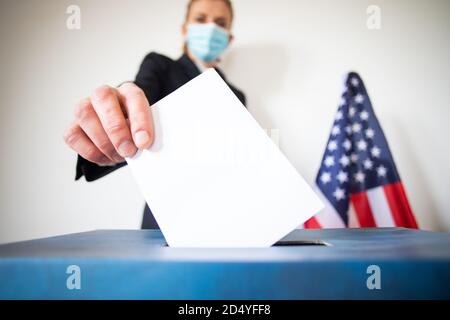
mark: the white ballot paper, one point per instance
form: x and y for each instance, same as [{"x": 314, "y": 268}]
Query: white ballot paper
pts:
[{"x": 213, "y": 177}]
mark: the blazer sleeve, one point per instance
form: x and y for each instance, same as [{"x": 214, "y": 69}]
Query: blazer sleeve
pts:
[{"x": 148, "y": 79}]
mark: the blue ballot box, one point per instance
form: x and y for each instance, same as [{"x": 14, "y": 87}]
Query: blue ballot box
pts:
[{"x": 386, "y": 263}]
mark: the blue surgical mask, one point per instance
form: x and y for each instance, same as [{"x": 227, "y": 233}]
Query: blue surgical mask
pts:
[{"x": 206, "y": 41}]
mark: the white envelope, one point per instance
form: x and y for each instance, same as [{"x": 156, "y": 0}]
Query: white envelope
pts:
[{"x": 213, "y": 178}]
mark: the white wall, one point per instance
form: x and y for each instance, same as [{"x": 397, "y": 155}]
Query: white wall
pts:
[{"x": 289, "y": 57}]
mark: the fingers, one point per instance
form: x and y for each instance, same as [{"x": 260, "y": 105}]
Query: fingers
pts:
[
  {"x": 106, "y": 105},
  {"x": 111, "y": 125},
  {"x": 92, "y": 127},
  {"x": 80, "y": 143},
  {"x": 140, "y": 117}
]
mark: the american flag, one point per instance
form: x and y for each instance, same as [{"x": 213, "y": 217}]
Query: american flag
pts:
[{"x": 357, "y": 179}]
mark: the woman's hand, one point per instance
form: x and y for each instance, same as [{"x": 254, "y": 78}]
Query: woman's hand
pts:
[{"x": 111, "y": 124}]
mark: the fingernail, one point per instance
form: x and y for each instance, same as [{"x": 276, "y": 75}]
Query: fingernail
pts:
[
  {"x": 105, "y": 162},
  {"x": 127, "y": 149},
  {"x": 117, "y": 158},
  {"x": 141, "y": 138}
]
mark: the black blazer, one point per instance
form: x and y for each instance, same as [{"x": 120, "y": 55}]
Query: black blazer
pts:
[{"x": 158, "y": 76}]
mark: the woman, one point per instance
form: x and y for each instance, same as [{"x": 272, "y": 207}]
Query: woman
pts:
[{"x": 113, "y": 123}]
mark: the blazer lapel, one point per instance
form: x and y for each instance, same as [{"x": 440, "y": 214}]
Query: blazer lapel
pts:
[{"x": 189, "y": 67}]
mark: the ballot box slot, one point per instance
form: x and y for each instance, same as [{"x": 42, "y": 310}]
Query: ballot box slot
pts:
[{"x": 287, "y": 243}]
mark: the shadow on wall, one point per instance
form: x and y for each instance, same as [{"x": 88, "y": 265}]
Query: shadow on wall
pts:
[{"x": 259, "y": 71}]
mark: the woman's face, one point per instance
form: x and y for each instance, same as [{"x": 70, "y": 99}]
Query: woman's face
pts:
[{"x": 207, "y": 11}]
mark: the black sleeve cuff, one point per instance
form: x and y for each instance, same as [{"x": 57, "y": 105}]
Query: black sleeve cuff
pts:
[{"x": 92, "y": 171}]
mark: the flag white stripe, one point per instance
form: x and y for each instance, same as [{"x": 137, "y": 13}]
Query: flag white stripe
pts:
[
  {"x": 380, "y": 207},
  {"x": 353, "y": 221},
  {"x": 328, "y": 217}
]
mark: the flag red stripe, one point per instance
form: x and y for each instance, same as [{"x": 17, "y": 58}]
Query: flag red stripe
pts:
[
  {"x": 312, "y": 224},
  {"x": 399, "y": 205},
  {"x": 363, "y": 210}
]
